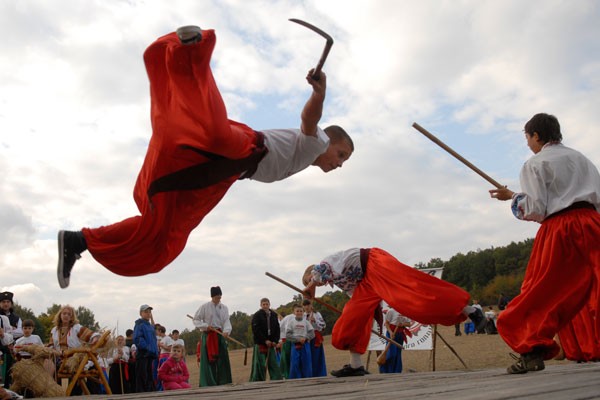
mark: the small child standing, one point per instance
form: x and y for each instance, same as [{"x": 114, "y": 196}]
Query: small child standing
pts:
[
  {"x": 174, "y": 373},
  {"x": 27, "y": 339},
  {"x": 299, "y": 332},
  {"x": 319, "y": 367}
]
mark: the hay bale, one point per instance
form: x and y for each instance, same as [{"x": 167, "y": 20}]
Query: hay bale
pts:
[{"x": 31, "y": 375}]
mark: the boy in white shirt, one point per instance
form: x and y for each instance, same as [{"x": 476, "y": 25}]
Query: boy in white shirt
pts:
[
  {"x": 300, "y": 332},
  {"x": 28, "y": 338}
]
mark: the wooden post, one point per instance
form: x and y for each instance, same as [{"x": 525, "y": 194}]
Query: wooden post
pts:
[{"x": 433, "y": 348}]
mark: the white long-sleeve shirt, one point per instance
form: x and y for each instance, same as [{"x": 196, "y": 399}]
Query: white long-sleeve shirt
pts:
[
  {"x": 318, "y": 323},
  {"x": 341, "y": 269},
  {"x": 114, "y": 355},
  {"x": 284, "y": 323},
  {"x": 393, "y": 317},
  {"x": 213, "y": 315},
  {"x": 8, "y": 337},
  {"x": 553, "y": 179}
]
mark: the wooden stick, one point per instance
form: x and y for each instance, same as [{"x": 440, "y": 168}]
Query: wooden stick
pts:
[
  {"x": 332, "y": 308},
  {"x": 383, "y": 356},
  {"x": 451, "y": 348},
  {"x": 230, "y": 339},
  {"x": 456, "y": 155}
]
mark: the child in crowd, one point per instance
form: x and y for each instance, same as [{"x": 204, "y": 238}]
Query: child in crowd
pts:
[
  {"x": 144, "y": 340},
  {"x": 319, "y": 367},
  {"x": 173, "y": 373},
  {"x": 396, "y": 326},
  {"x": 27, "y": 339},
  {"x": 131, "y": 363},
  {"x": 119, "y": 367},
  {"x": 285, "y": 346},
  {"x": 177, "y": 339},
  {"x": 300, "y": 332}
]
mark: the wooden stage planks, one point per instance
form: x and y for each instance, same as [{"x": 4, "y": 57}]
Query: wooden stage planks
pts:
[{"x": 557, "y": 382}]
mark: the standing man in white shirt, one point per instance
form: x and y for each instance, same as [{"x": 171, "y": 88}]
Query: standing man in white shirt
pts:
[
  {"x": 212, "y": 319},
  {"x": 560, "y": 189}
]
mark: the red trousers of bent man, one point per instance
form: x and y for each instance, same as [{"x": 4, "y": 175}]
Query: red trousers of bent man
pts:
[
  {"x": 563, "y": 275},
  {"x": 417, "y": 295},
  {"x": 189, "y": 120}
]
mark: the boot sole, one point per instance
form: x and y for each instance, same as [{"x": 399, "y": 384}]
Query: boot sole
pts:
[{"x": 62, "y": 281}]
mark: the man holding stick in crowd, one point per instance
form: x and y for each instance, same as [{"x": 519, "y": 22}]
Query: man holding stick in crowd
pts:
[{"x": 212, "y": 319}]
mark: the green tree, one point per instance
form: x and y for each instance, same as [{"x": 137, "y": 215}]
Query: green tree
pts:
[
  {"x": 191, "y": 339},
  {"x": 240, "y": 328},
  {"x": 86, "y": 318}
]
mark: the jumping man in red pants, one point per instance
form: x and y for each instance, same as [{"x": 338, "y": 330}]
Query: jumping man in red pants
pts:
[
  {"x": 195, "y": 154},
  {"x": 372, "y": 275},
  {"x": 561, "y": 190}
]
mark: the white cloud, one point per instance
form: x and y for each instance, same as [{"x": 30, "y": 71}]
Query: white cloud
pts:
[{"x": 75, "y": 123}]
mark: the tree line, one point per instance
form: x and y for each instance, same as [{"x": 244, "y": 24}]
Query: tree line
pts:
[{"x": 485, "y": 274}]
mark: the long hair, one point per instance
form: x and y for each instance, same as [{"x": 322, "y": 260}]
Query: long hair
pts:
[{"x": 58, "y": 321}]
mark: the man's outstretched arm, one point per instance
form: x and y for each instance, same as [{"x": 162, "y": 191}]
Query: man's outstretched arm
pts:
[{"x": 313, "y": 109}]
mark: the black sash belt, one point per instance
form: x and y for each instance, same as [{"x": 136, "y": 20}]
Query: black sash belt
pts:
[
  {"x": 364, "y": 259},
  {"x": 217, "y": 169},
  {"x": 575, "y": 206}
]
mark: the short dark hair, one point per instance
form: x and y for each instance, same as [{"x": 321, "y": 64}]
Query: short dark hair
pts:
[
  {"x": 546, "y": 126},
  {"x": 175, "y": 331},
  {"x": 306, "y": 302},
  {"x": 28, "y": 322},
  {"x": 337, "y": 134},
  {"x": 265, "y": 299},
  {"x": 129, "y": 332}
]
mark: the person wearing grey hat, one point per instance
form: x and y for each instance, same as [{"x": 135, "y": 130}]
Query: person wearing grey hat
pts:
[
  {"x": 212, "y": 319},
  {"x": 147, "y": 350}
]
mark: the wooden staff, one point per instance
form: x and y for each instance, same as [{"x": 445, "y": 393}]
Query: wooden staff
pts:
[
  {"x": 230, "y": 339},
  {"x": 383, "y": 356},
  {"x": 332, "y": 308},
  {"x": 456, "y": 155},
  {"x": 451, "y": 348}
]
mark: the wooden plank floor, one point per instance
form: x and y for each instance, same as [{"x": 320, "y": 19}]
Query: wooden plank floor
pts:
[{"x": 557, "y": 382}]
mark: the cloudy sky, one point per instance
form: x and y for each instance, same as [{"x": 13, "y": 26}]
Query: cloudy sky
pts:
[{"x": 74, "y": 127}]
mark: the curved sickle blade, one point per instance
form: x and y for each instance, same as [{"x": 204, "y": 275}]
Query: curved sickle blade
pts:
[{"x": 328, "y": 44}]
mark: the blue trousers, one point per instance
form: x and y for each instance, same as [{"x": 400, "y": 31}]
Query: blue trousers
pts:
[{"x": 301, "y": 362}]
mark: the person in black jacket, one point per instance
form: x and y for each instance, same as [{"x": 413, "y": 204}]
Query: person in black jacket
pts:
[{"x": 265, "y": 330}]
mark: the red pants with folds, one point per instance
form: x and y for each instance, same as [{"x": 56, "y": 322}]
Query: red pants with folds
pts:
[
  {"x": 562, "y": 276},
  {"x": 579, "y": 338},
  {"x": 187, "y": 113},
  {"x": 415, "y": 294}
]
